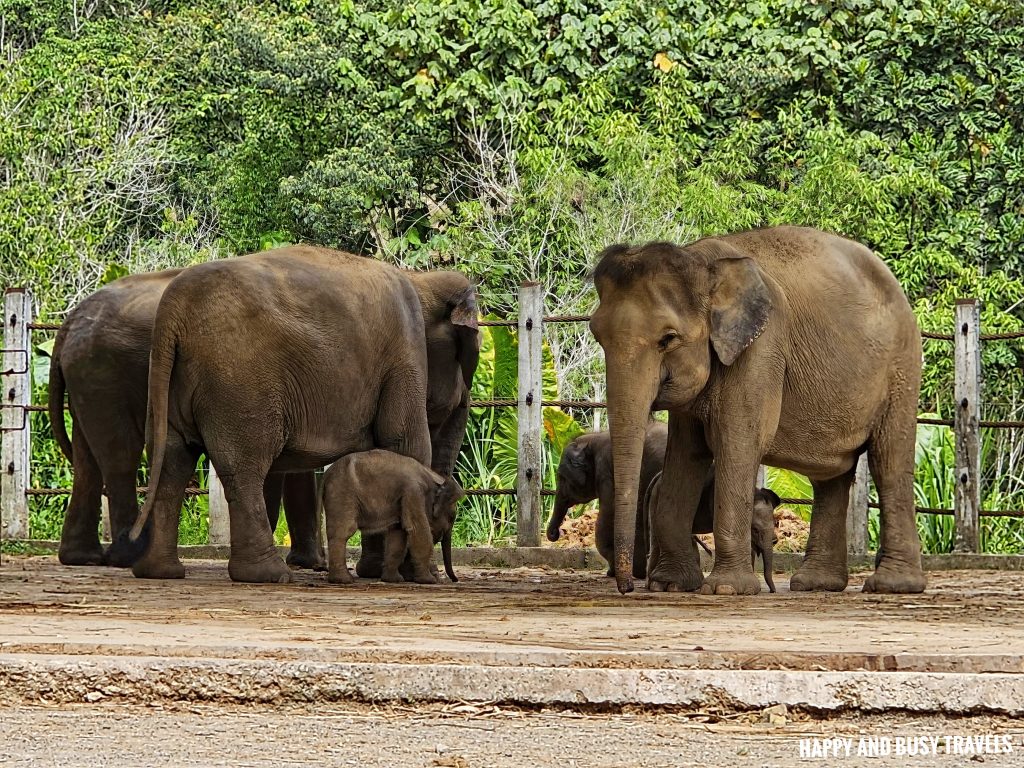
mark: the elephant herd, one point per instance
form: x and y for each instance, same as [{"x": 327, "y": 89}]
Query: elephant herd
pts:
[{"x": 784, "y": 346}]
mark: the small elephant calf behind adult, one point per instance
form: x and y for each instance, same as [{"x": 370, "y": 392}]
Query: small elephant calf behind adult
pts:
[{"x": 762, "y": 525}]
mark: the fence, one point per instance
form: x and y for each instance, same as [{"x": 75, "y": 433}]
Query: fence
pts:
[{"x": 15, "y": 452}]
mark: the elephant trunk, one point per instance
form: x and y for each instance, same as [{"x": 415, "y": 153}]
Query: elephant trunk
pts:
[
  {"x": 632, "y": 387},
  {"x": 562, "y": 507},
  {"x": 765, "y": 545},
  {"x": 446, "y": 554}
]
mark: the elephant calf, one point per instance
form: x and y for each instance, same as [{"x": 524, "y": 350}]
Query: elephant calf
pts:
[
  {"x": 585, "y": 474},
  {"x": 762, "y": 527},
  {"x": 379, "y": 491}
]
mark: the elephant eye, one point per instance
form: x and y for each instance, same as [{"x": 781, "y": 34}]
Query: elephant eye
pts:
[{"x": 667, "y": 339}]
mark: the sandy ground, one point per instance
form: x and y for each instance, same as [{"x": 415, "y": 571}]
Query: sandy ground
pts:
[
  {"x": 458, "y": 736},
  {"x": 966, "y": 621}
]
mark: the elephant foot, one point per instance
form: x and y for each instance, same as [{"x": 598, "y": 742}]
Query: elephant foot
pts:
[
  {"x": 340, "y": 576},
  {"x": 370, "y": 567},
  {"x": 896, "y": 580},
  {"x": 267, "y": 570},
  {"x": 123, "y": 552},
  {"x": 392, "y": 578},
  {"x": 610, "y": 572},
  {"x": 314, "y": 561},
  {"x": 679, "y": 578},
  {"x": 731, "y": 582},
  {"x": 74, "y": 555},
  {"x": 425, "y": 577},
  {"x": 818, "y": 578},
  {"x": 153, "y": 568}
]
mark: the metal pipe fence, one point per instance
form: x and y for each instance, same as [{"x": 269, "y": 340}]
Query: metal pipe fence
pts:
[{"x": 15, "y": 451}]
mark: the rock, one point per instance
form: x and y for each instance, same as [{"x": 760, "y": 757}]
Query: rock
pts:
[{"x": 775, "y": 715}]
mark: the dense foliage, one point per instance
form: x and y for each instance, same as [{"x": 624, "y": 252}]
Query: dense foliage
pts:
[{"x": 513, "y": 140}]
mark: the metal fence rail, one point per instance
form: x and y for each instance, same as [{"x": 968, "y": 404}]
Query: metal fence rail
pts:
[{"x": 15, "y": 367}]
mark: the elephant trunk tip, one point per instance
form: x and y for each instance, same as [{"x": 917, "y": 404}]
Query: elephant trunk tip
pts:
[
  {"x": 554, "y": 533},
  {"x": 624, "y": 570}
]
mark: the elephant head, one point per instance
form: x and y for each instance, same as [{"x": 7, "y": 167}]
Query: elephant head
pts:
[
  {"x": 762, "y": 531},
  {"x": 576, "y": 481},
  {"x": 666, "y": 315}
]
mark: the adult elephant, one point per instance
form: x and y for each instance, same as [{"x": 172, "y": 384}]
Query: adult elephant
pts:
[
  {"x": 281, "y": 361},
  {"x": 787, "y": 346},
  {"x": 101, "y": 360},
  {"x": 448, "y": 304}
]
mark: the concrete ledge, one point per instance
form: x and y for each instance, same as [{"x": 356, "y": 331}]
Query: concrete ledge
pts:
[
  {"x": 69, "y": 679},
  {"x": 589, "y": 560}
]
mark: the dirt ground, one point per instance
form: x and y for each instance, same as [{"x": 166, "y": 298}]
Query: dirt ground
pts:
[
  {"x": 966, "y": 621},
  {"x": 457, "y": 736}
]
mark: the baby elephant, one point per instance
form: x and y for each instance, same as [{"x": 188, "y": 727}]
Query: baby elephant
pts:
[
  {"x": 383, "y": 492},
  {"x": 585, "y": 474},
  {"x": 762, "y": 526}
]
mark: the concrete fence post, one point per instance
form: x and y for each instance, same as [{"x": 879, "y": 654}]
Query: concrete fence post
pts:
[
  {"x": 857, "y": 510},
  {"x": 220, "y": 521},
  {"x": 15, "y": 447},
  {"x": 967, "y": 389},
  {"x": 528, "y": 480}
]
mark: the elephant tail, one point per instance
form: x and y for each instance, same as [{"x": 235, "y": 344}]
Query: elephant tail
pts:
[
  {"x": 161, "y": 364},
  {"x": 55, "y": 397}
]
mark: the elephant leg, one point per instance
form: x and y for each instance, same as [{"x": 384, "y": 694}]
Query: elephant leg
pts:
[
  {"x": 303, "y": 521},
  {"x": 273, "y": 491},
  {"x": 395, "y": 548},
  {"x": 254, "y": 557},
  {"x": 79, "y": 537},
  {"x": 124, "y": 509},
  {"x": 371, "y": 557},
  {"x": 342, "y": 523},
  {"x": 604, "y": 532},
  {"x": 673, "y": 564},
  {"x": 160, "y": 560},
  {"x": 420, "y": 542},
  {"x": 891, "y": 460},
  {"x": 735, "y": 474},
  {"x": 824, "y": 567}
]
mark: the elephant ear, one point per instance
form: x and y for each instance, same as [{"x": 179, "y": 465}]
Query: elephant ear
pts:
[
  {"x": 740, "y": 305},
  {"x": 770, "y": 496},
  {"x": 463, "y": 316}
]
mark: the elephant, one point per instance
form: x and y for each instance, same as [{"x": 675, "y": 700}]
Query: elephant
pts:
[
  {"x": 382, "y": 492},
  {"x": 287, "y": 360},
  {"x": 101, "y": 359},
  {"x": 786, "y": 346},
  {"x": 762, "y": 527},
  {"x": 448, "y": 303},
  {"x": 585, "y": 474}
]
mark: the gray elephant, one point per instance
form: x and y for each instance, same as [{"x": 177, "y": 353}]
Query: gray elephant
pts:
[
  {"x": 785, "y": 346},
  {"x": 287, "y": 360},
  {"x": 585, "y": 474},
  {"x": 762, "y": 525},
  {"x": 101, "y": 359},
  {"x": 382, "y": 492}
]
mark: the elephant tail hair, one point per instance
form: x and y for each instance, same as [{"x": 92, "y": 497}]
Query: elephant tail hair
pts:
[
  {"x": 161, "y": 363},
  {"x": 55, "y": 397}
]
